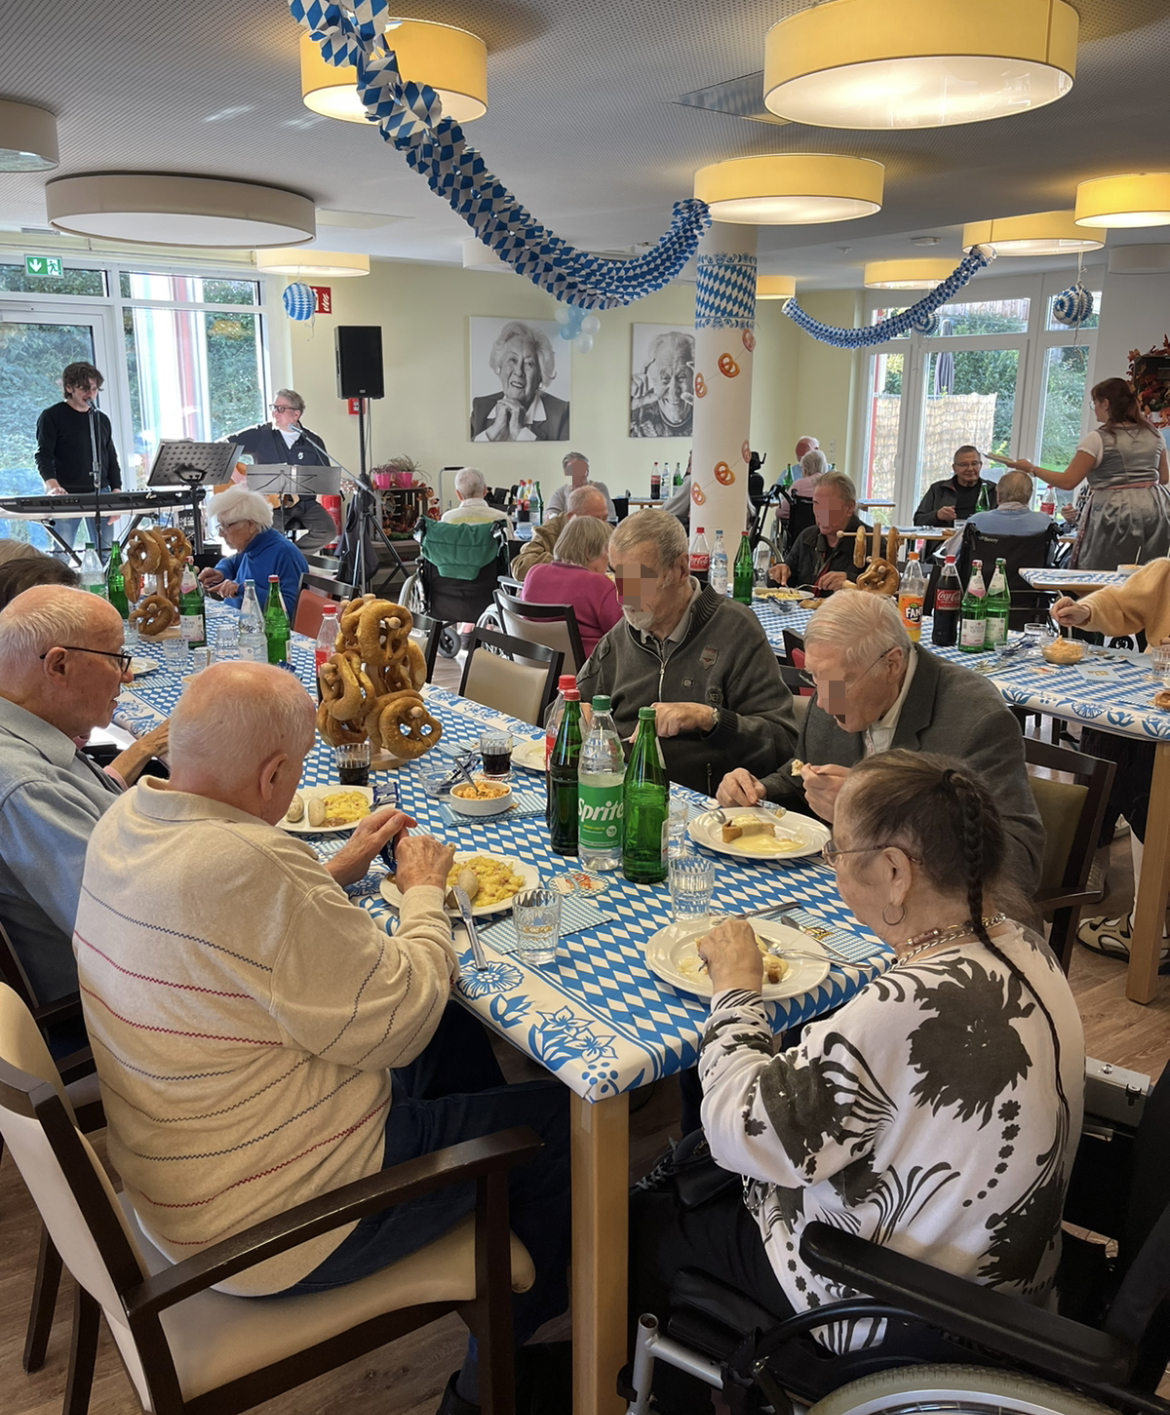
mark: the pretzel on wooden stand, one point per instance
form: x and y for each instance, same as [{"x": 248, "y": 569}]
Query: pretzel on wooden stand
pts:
[
  {"x": 161, "y": 553},
  {"x": 881, "y": 573}
]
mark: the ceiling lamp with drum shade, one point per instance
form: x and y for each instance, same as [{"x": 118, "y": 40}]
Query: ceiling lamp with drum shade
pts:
[
  {"x": 302, "y": 261},
  {"x": 28, "y": 138},
  {"x": 1046, "y": 233},
  {"x": 451, "y": 61},
  {"x": 167, "y": 209},
  {"x": 775, "y": 287},
  {"x": 791, "y": 189},
  {"x": 906, "y": 274},
  {"x": 918, "y": 63},
  {"x": 1133, "y": 200}
]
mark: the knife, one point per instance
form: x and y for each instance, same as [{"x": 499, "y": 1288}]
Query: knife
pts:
[{"x": 463, "y": 903}]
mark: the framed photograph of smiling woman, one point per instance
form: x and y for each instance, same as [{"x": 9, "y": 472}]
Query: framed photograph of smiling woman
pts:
[
  {"x": 520, "y": 380},
  {"x": 662, "y": 381}
]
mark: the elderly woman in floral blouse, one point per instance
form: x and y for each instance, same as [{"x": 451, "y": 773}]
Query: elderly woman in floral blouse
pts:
[{"x": 937, "y": 1112}]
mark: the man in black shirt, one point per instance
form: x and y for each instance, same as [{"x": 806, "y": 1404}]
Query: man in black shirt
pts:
[
  {"x": 821, "y": 557},
  {"x": 955, "y": 499},
  {"x": 283, "y": 441},
  {"x": 72, "y": 436}
]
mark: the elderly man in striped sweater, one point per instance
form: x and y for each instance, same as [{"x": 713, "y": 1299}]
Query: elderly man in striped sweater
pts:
[{"x": 260, "y": 1040}]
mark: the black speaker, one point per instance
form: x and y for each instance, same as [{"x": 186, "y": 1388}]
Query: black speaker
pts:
[{"x": 359, "y": 361}]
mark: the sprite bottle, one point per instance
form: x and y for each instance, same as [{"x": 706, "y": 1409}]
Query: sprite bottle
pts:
[
  {"x": 647, "y": 806},
  {"x": 600, "y": 792}
]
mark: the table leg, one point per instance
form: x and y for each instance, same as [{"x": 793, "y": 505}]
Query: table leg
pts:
[
  {"x": 600, "y": 1138},
  {"x": 1150, "y": 906}
]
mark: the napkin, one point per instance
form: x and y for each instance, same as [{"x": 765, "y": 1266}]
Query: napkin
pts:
[
  {"x": 524, "y": 804},
  {"x": 578, "y": 913},
  {"x": 856, "y": 949}
]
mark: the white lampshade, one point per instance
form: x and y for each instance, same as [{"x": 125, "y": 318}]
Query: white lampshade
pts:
[
  {"x": 302, "y": 261},
  {"x": 797, "y": 188},
  {"x": 907, "y": 274},
  {"x": 918, "y": 63},
  {"x": 1046, "y": 233},
  {"x": 28, "y": 138}
]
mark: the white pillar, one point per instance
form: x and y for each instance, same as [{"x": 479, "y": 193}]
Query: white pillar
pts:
[{"x": 725, "y": 312}]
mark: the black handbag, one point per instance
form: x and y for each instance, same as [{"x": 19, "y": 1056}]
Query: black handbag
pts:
[{"x": 697, "y": 1177}]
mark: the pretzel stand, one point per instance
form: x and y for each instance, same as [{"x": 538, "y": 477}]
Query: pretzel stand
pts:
[
  {"x": 159, "y": 555},
  {"x": 881, "y": 573}
]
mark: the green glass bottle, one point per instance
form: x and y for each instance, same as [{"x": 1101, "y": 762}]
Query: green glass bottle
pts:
[
  {"x": 192, "y": 623},
  {"x": 647, "y": 806},
  {"x": 116, "y": 582},
  {"x": 536, "y": 507},
  {"x": 999, "y": 607},
  {"x": 983, "y": 502},
  {"x": 973, "y": 613},
  {"x": 276, "y": 625},
  {"x": 741, "y": 590},
  {"x": 563, "y": 768}
]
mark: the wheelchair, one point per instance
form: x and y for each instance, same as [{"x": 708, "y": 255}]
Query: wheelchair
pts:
[
  {"x": 459, "y": 566},
  {"x": 951, "y": 1345}
]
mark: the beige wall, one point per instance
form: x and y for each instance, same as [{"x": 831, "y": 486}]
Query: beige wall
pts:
[
  {"x": 823, "y": 396},
  {"x": 423, "y": 311}
]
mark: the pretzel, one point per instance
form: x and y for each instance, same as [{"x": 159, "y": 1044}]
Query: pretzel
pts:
[
  {"x": 893, "y": 545},
  {"x": 178, "y": 547},
  {"x": 338, "y": 734},
  {"x": 154, "y": 615},
  {"x": 879, "y": 578},
  {"x": 346, "y": 704},
  {"x": 145, "y": 552},
  {"x": 132, "y": 581},
  {"x": 1162, "y": 699},
  {"x": 404, "y": 725},
  {"x": 381, "y": 617},
  {"x": 859, "y": 547}
]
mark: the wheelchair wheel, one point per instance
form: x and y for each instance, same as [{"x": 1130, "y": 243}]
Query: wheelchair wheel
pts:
[
  {"x": 411, "y": 594},
  {"x": 960, "y": 1390},
  {"x": 450, "y": 641},
  {"x": 490, "y": 619}
]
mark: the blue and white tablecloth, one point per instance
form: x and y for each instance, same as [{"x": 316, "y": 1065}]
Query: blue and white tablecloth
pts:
[
  {"x": 778, "y": 615},
  {"x": 1050, "y": 579},
  {"x": 597, "y": 1018}
]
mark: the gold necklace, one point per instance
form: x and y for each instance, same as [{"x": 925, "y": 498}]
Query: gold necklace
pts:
[{"x": 921, "y": 942}]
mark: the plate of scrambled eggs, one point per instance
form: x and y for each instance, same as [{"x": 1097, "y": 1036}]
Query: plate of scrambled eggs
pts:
[
  {"x": 672, "y": 954},
  {"x": 317, "y": 809},
  {"x": 498, "y": 878}
]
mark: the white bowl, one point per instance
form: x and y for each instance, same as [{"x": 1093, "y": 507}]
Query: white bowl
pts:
[
  {"x": 1128, "y": 569},
  {"x": 473, "y": 806}
]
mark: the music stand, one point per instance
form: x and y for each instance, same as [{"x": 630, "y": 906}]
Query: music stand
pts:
[
  {"x": 193, "y": 464},
  {"x": 294, "y": 479}
]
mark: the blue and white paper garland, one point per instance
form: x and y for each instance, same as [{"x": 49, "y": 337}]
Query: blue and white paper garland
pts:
[{"x": 410, "y": 116}]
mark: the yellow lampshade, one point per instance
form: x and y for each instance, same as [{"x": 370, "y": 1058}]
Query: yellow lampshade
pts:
[
  {"x": 1046, "y": 233},
  {"x": 336, "y": 264},
  {"x": 907, "y": 274},
  {"x": 799, "y": 188},
  {"x": 918, "y": 63},
  {"x": 1136, "y": 199},
  {"x": 451, "y": 61},
  {"x": 775, "y": 287}
]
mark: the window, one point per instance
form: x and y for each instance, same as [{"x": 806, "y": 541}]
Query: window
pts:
[
  {"x": 884, "y": 409},
  {"x": 984, "y": 317},
  {"x": 74, "y": 281}
]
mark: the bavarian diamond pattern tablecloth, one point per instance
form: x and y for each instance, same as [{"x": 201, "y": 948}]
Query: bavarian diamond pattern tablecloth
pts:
[
  {"x": 1049, "y": 579},
  {"x": 597, "y": 1018},
  {"x": 776, "y": 616}
]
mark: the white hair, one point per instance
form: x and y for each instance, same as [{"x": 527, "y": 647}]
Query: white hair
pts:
[
  {"x": 469, "y": 482},
  {"x": 46, "y": 617},
  {"x": 864, "y": 626},
  {"x": 237, "y": 503},
  {"x": 234, "y": 716},
  {"x": 653, "y": 528},
  {"x": 585, "y": 496},
  {"x": 520, "y": 333},
  {"x": 814, "y": 463},
  {"x": 582, "y": 541}
]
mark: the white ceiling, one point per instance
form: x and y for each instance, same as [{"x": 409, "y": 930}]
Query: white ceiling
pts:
[{"x": 585, "y": 124}]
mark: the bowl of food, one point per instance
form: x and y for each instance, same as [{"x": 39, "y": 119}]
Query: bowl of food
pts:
[
  {"x": 1064, "y": 651},
  {"x": 480, "y": 797},
  {"x": 1128, "y": 570}
]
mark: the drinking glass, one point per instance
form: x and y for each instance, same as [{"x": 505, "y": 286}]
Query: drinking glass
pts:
[
  {"x": 352, "y": 760},
  {"x": 1035, "y": 637},
  {"x": 537, "y": 916},
  {"x": 175, "y": 655},
  {"x": 1161, "y": 658},
  {"x": 496, "y": 750},
  {"x": 676, "y": 828},
  {"x": 227, "y": 637},
  {"x": 691, "y": 881}
]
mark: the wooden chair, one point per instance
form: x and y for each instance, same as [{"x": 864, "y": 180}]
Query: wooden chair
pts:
[
  {"x": 315, "y": 592},
  {"x": 492, "y": 677},
  {"x": 793, "y": 647},
  {"x": 191, "y": 1351},
  {"x": 554, "y": 625},
  {"x": 1072, "y": 813}
]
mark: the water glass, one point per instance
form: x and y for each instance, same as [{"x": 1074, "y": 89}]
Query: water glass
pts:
[
  {"x": 175, "y": 654},
  {"x": 200, "y": 659},
  {"x": 227, "y": 637},
  {"x": 676, "y": 829},
  {"x": 537, "y": 916},
  {"x": 352, "y": 760},
  {"x": 691, "y": 881},
  {"x": 1161, "y": 658},
  {"x": 1035, "y": 637}
]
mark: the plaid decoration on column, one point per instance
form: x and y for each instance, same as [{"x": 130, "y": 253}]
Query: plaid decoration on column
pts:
[{"x": 726, "y": 293}]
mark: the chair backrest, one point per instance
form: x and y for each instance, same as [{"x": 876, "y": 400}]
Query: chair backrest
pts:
[
  {"x": 12, "y": 972},
  {"x": 802, "y": 694},
  {"x": 1071, "y": 812},
  {"x": 316, "y": 591},
  {"x": 621, "y": 506},
  {"x": 554, "y": 625},
  {"x": 800, "y": 515},
  {"x": 793, "y": 646},
  {"x": 1018, "y": 553},
  {"x": 491, "y": 677},
  {"x": 459, "y": 550},
  {"x": 428, "y": 630}
]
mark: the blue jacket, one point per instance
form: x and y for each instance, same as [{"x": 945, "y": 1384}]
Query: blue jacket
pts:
[{"x": 266, "y": 554}]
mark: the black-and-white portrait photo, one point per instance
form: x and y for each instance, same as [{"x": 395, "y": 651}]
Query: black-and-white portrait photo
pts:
[
  {"x": 662, "y": 383},
  {"x": 520, "y": 376}
]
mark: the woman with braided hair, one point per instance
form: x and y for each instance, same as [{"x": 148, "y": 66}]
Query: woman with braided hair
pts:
[{"x": 936, "y": 1113}]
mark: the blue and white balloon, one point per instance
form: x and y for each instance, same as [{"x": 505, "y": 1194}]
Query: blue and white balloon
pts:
[
  {"x": 299, "y": 301},
  {"x": 1072, "y": 306}
]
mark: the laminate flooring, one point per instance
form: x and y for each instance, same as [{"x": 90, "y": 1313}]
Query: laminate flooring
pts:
[{"x": 407, "y": 1378}]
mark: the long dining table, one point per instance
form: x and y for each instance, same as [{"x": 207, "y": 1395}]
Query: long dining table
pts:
[{"x": 597, "y": 1019}]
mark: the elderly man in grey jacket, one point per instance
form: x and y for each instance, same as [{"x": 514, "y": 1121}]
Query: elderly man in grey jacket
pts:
[
  {"x": 875, "y": 691},
  {"x": 700, "y": 659}
]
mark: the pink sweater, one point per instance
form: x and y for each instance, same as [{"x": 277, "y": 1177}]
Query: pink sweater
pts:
[{"x": 594, "y": 597}]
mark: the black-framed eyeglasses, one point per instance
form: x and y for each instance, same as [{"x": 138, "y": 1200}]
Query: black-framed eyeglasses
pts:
[
  {"x": 831, "y": 854},
  {"x": 283, "y": 408},
  {"x": 810, "y": 681},
  {"x": 125, "y": 660}
]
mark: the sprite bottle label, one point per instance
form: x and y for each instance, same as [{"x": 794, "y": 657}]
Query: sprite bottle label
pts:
[{"x": 600, "y": 810}]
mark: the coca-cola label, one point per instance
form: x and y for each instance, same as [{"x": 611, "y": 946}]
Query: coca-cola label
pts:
[
  {"x": 700, "y": 564},
  {"x": 947, "y": 600}
]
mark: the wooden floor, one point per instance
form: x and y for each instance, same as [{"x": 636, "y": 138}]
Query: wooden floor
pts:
[{"x": 408, "y": 1377}]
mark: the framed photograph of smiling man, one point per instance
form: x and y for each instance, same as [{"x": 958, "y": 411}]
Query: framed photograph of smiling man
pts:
[
  {"x": 520, "y": 381},
  {"x": 662, "y": 381}
]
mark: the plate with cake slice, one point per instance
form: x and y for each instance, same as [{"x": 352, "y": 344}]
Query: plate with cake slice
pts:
[{"x": 757, "y": 833}]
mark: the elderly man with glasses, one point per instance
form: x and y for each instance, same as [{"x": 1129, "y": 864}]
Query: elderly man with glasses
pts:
[
  {"x": 285, "y": 439},
  {"x": 875, "y": 690},
  {"x": 956, "y": 497},
  {"x": 62, "y": 667}
]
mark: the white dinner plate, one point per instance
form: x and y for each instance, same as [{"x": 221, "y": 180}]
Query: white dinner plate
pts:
[
  {"x": 528, "y": 873},
  {"x": 309, "y": 793},
  {"x": 139, "y": 666},
  {"x": 529, "y": 754},
  {"x": 810, "y": 834},
  {"x": 672, "y": 955}
]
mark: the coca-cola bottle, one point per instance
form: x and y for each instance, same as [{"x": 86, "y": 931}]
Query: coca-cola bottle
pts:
[
  {"x": 948, "y": 599},
  {"x": 700, "y": 556}
]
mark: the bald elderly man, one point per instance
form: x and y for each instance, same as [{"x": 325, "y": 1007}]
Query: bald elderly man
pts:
[
  {"x": 62, "y": 667},
  {"x": 292, "y": 1043},
  {"x": 586, "y": 500}
]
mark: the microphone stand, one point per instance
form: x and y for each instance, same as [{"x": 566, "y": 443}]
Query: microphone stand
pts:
[{"x": 96, "y": 473}]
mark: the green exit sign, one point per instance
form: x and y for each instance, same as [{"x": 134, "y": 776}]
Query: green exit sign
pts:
[{"x": 44, "y": 265}]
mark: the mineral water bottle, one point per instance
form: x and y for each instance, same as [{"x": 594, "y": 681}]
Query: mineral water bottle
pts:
[
  {"x": 647, "y": 806},
  {"x": 192, "y": 621},
  {"x": 253, "y": 642},
  {"x": 93, "y": 577},
  {"x": 536, "y": 507},
  {"x": 276, "y": 626},
  {"x": 678, "y": 476},
  {"x": 718, "y": 571},
  {"x": 742, "y": 589},
  {"x": 911, "y": 595},
  {"x": 999, "y": 607},
  {"x": 600, "y": 796},
  {"x": 973, "y": 625},
  {"x": 116, "y": 582},
  {"x": 562, "y": 777}
]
